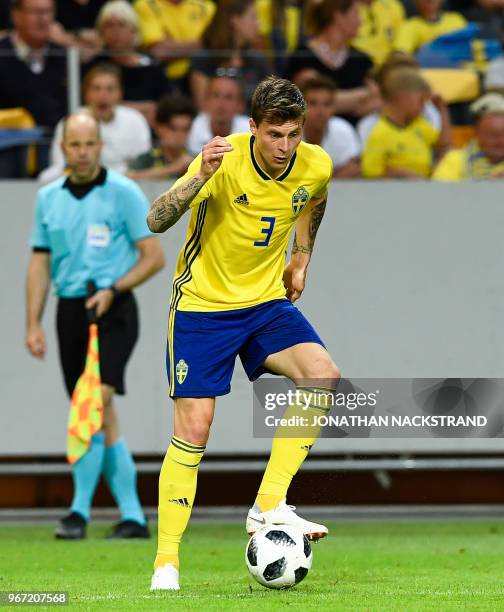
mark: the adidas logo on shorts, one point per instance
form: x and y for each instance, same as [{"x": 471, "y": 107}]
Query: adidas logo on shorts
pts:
[{"x": 242, "y": 199}]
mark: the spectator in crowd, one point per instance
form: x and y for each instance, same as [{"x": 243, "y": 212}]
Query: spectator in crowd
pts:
[
  {"x": 124, "y": 131},
  {"x": 402, "y": 143},
  {"x": 143, "y": 78},
  {"x": 430, "y": 23},
  {"x": 228, "y": 42},
  {"x": 172, "y": 29},
  {"x": 487, "y": 14},
  {"x": 92, "y": 226},
  {"x": 222, "y": 117},
  {"x": 32, "y": 69},
  {"x": 395, "y": 60},
  {"x": 334, "y": 23},
  {"x": 494, "y": 76},
  {"x": 174, "y": 116},
  {"x": 483, "y": 157},
  {"x": 335, "y": 135},
  {"x": 379, "y": 22},
  {"x": 74, "y": 25},
  {"x": 280, "y": 29}
]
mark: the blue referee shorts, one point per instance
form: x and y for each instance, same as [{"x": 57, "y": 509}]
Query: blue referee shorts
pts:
[{"x": 203, "y": 346}]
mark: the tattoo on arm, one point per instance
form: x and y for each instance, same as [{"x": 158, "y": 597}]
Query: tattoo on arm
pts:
[
  {"x": 171, "y": 205},
  {"x": 299, "y": 248},
  {"x": 315, "y": 221}
]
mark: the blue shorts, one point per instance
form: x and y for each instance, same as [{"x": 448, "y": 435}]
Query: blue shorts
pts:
[{"x": 202, "y": 346}]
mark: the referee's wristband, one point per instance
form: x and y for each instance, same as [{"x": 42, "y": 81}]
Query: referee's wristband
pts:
[{"x": 115, "y": 291}]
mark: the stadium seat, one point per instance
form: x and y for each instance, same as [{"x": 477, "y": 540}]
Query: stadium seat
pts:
[
  {"x": 19, "y": 118},
  {"x": 461, "y": 135}
]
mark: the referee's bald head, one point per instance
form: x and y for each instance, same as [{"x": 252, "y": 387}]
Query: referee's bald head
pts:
[
  {"x": 81, "y": 119},
  {"x": 82, "y": 145}
]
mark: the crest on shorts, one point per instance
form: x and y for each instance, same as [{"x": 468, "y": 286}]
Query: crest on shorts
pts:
[
  {"x": 181, "y": 370},
  {"x": 300, "y": 199}
]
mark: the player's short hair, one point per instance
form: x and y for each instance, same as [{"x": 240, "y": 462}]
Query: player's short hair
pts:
[
  {"x": 170, "y": 106},
  {"x": 402, "y": 80},
  {"x": 318, "y": 83},
  {"x": 102, "y": 68},
  {"x": 277, "y": 101},
  {"x": 319, "y": 13}
]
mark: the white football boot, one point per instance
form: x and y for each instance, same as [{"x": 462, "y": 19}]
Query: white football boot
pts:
[
  {"x": 165, "y": 578},
  {"x": 284, "y": 514}
]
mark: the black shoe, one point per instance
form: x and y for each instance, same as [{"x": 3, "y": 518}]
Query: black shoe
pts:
[
  {"x": 129, "y": 529},
  {"x": 72, "y": 527}
]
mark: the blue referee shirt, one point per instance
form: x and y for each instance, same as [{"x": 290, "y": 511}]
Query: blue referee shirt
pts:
[{"x": 91, "y": 235}]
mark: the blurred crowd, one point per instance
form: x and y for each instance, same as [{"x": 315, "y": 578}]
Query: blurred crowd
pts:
[{"x": 410, "y": 90}]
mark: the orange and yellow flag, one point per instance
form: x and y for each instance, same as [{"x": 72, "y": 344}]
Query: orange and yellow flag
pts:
[{"x": 86, "y": 408}]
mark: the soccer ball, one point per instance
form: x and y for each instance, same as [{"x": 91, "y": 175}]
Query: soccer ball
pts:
[{"x": 278, "y": 556}]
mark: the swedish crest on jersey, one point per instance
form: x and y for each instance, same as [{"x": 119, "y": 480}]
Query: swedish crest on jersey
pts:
[
  {"x": 300, "y": 199},
  {"x": 181, "y": 370}
]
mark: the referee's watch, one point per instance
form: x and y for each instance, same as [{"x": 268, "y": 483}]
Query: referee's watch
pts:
[{"x": 115, "y": 291}]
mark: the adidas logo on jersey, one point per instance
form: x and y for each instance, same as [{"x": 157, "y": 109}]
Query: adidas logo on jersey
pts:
[
  {"x": 182, "y": 501},
  {"x": 242, "y": 199}
]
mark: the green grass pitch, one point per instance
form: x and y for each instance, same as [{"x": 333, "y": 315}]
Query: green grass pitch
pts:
[{"x": 361, "y": 566}]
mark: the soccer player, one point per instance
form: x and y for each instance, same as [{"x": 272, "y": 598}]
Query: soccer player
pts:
[
  {"x": 233, "y": 295},
  {"x": 91, "y": 226}
]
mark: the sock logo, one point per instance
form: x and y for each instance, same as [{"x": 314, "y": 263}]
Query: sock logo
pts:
[
  {"x": 242, "y": 199},
  {"x": 181, "y": 501},
  {"x": 181, "y": 370}
]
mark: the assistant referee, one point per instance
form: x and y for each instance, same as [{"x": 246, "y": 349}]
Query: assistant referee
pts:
[{"x": 90, "y": 226}]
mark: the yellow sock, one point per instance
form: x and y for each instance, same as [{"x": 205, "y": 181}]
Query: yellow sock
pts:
[
  {"x": 289, "y": 452},
  {"x": 267, "y": 502},
  {"x": 177, "y": 489},
  {"x": 165, "y": 559}
]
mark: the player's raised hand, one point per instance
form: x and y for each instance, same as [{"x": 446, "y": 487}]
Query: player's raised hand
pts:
[{"x": 211, "y": 156}]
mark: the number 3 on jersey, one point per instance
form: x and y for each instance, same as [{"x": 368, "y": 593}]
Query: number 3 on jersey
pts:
[{"x": 266, "y": 230}]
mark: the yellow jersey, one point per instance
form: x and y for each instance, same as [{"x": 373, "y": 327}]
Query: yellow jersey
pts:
[
  {"x": 409, "y": 147},
  {"x": 379, "y": 23},
  {"x": 467, "y": 163},
  {"x": 241, "y": 221},
  {"x": 416, "y": 31},
  {"x": 184, "y": 22}
]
